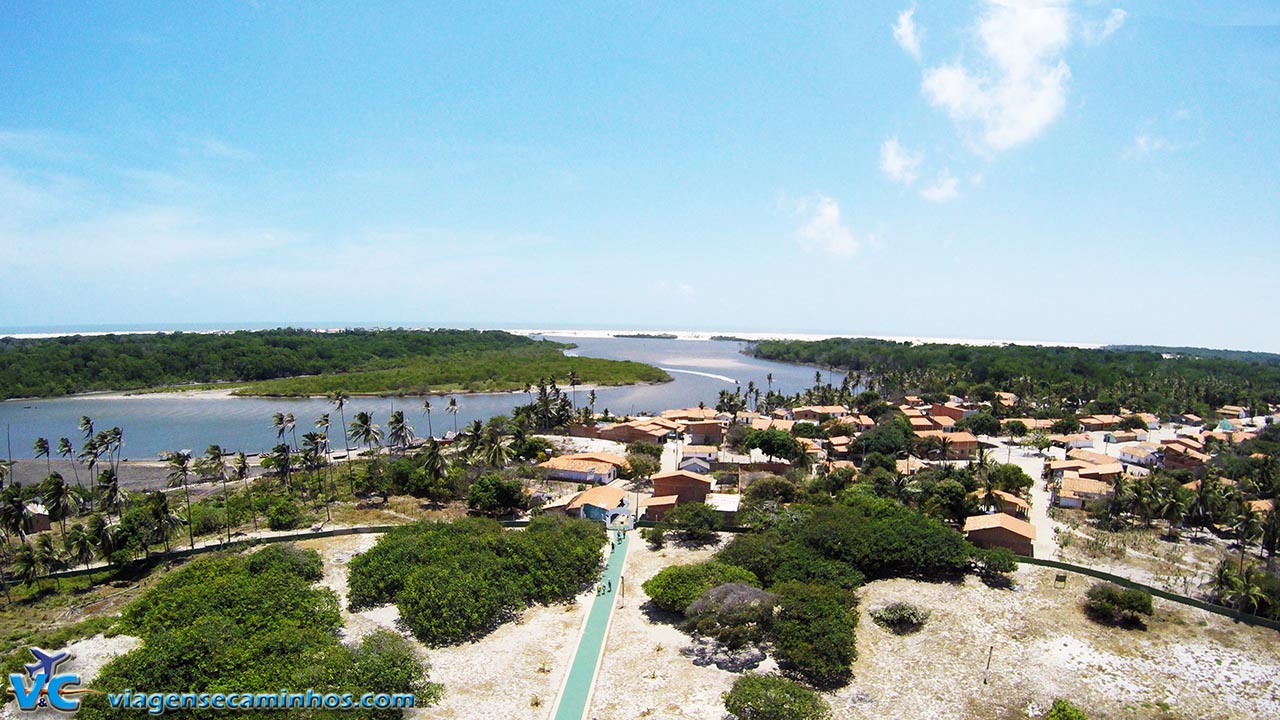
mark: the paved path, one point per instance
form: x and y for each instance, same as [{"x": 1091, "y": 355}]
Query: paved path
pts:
[{"x": 575, "y": 695}]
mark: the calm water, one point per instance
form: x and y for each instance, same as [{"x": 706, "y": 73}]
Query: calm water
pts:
[{"x": 153, "y": 424}]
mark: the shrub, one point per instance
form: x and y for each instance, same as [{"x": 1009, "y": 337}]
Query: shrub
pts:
[
  {"x": 676, "y": 587},
  {"x": 1111, "y": 604},
  {"x": 1064, "y": 710},
  {"x": 736, "y": 614},
  {"x": 289, "y": 558},
  {"x": 813, "y": 636},
  {"x": 901, "y": 618},
  {"x": 656, "y": 536},
  {"x": 284, "y": 515},
  {"x": 695, "y": 522},
  {"x": 491, "y": 494},
  {"x": 457, "y": 581},
  {"x": 768, "y": 697}
]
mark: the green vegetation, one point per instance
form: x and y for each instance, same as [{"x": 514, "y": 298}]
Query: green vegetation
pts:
[
  {"x": 1110, "y": 604},
  {"x": 243, "y": 623},
  {"x": 457, "y": 581},
  {"x": 1064, "y": 710},
  {"x": 300, "y": 362},
  {"x": 736, "y": 614},
  {"x": 695, "y": 523},
  {"x": 901, "y": 618},
  {"x": 1052, "y": 379},
  {"x": 813, "y": 635},
  {"x": 768, "y": 697},
  {"x": 675, "y": 588}
]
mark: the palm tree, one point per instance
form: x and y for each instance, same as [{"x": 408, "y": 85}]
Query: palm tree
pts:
[
  {"x": 769, "y": 379},
  {"x": 104, "y": 536},
  {"x": 214, "y": 467},
  {"x": 47, "y": 556},
  {"x": 113, "y": 497},
  {"x": 591, "y": 400},
  {"x": 1247, "y": 527},
  {"x": 314, "y": 458},
  {"x": 15, "y": 517},
  {"x": 452, "y": 409},
  {"x": 338, "y": 399},
  {"x": 292, "y": 425},
  {"x": 86, "y": 427},
  {"x": 163, "y": 520},
  {"x": 1271, "y": 536},
  {"x": 59, "y": 499},
  {"x": 240, "y": 466},
  {"x": 27, "y": 565},
  {"x": 114, "y": 441},
  {"x": 426, "y": 408},
  {"x": 472, "y": 439},
  {"x": 179, "y": 472},
  {"x": 496, "y": 454},
  {"x": 364, "y": 431},
  {"x": 77, "y": 543},
  {"x": 573, "y": 385},
  {"x": 278, "y": 422},
  {"x": 66, "y": 451},
  {"x": 436, "y": 469},
  {"x": 41, "y": 449},
  {"x": 399, "y": 434},
  {"x": 4, "y": 472}
]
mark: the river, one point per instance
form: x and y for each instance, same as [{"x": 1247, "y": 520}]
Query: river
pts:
[{"x": 153, "y": 424}]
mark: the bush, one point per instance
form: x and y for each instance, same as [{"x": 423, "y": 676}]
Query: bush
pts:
[
  {"x": 653, "y": 450},
  {"x": 1064, "y": 710},
  {"x": 457, "y": 581},
  {"x": 256, "y": 624},
  {"x": 995, "y": 564},
  {"x": 1111, "y": 604},
  {"x": 736, "y": 614},
  {"x": 695, "y": 522},
  {"x": 284, "y": 514},
  {"x": 768, "y": 697},
  {"x": 901, "y": 618},
  {"x": 678, "y": 586},
  {"x": 491, "y": 494},
  {"x": 288, "y": 558},
  {"x": 813, "y": 635},
  {"x": 656, "y": 536}
]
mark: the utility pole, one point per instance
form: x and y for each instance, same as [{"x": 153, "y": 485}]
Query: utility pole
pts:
[{"x": 987, "y": 672}]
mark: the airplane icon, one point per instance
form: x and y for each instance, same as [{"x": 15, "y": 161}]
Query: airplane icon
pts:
[{"x": 45, "y": 663}]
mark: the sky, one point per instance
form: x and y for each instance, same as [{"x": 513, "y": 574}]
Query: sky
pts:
[{"x": 1080, "y": 171}]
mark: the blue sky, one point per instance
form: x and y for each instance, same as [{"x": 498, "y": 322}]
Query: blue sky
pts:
[{"x": 1074, "y": 171}]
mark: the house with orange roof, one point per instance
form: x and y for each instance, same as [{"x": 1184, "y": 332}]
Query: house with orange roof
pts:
[
  {"x": 582, "y": 468},
  {"x": 704, "y": 432},
  {"x": 960, "y": 445},
  {"x": 1005, "y": 502},
  {"x": 818, "y": 413},
  {"x": 686, "y": 486},
  {"x": 594, "y": 503},
  {"x": 1074, "y": 491},
  {"x": 1000, "y": 530},
  {"x": 656, "y": 507}
]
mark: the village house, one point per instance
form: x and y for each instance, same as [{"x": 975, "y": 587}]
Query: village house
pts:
[
  {"x": 1007, "y": 399},
  {"x": 1187, "y": 419},
  {"x": 1143, "y": 454},
  {"x": 1076, "y": 440},
  {"x": 1074, "y": 491},
  {"x": 686, "y": 486},
  {"x": 818, "y": 413},
  {"x": 653, "y": 430},
  {"x": 584, "y": 467},
  {"x": 594, "y": 503},
  {"x": 1093, "y": 423},
  {"x": 726, "y": 504},
  {"x": 695, "y": 465},
  {"x": 39, "y": 516},
  {"x": 1000, "y": 530},
  {"x": 656, "y": 507},
  {"x": 692, "y": 414},
  {"x": 960, "y": 445},
  {"x": 702, "y": 452},
  {"x": 1233, "y": 412},
  {"x": 1007, "y": 503},
  {"x": 773, "y": 424},
  {"x": 704, "y": 432}
]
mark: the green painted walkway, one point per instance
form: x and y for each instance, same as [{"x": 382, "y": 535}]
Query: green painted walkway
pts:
[{"x": 576, "y": 693}]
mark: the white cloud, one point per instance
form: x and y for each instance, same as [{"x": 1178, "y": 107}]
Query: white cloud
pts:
[
  {"x": 1145, "y": 145},
  {"x": 1021, "y": 86},
  {"x": 946, "y": 188},
  {"x": 823, "y": 227},
  {"x": 905, "y": 32},
  {"x": 1096, "y": 32},
  {"x": 898, "y": 163}
]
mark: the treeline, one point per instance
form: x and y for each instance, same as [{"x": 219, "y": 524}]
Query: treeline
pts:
[
  {"x": 1048, "y": 377},
  {"x": 373, "y": 361},
  {"x": 485, "y": 371}
]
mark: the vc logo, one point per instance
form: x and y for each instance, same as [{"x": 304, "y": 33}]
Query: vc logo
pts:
[{"x": 45, "y": 688}]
